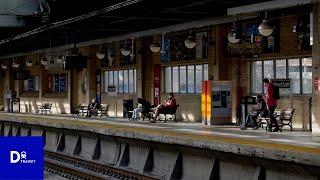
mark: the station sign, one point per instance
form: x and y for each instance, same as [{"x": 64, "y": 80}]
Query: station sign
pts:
[{"x": 282, "y": 83}]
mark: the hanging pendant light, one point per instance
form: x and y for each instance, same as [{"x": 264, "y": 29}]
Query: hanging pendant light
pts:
[
  {"x": 125, "y": 51},
  {"x": 190, "y": 42},
  {"x": 100, "y": 54},
  {"x": 29, "y": 63},
  {"x": 44, "y": 61},
  {"x": 15, "y": 65},
  {"x": 265, "y": 29},
  {"x": 4, "y": 66},
  {"x": 154, "y": 46},
  {"x": 60, "y": 59},
  {"x": 232, "y": 35}
]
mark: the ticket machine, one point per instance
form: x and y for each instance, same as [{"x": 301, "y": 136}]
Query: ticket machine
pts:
[{"x": 216, "y": 102}]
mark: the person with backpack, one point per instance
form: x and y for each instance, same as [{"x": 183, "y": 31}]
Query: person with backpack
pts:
[{"x": 271, "y": 97}]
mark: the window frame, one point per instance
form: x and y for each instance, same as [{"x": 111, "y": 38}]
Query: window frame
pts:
[
  {"x": 164, "y": 68},
  {"x": 275, "y": 70},
  {"x": 122, "y": 84}
]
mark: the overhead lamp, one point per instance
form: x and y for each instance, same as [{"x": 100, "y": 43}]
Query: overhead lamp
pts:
[
  {"x": 44, "y": 61},
  {"x": 233, "y": 34},
  {"x": 100, "y": 54},
  {"x": 125, "y": 51},
  {"x": 29, "y": 63},
  {"x": 190, "y": 43},
  {"x": 4, "y": 66},
  {"x": 154, "y": 46},
  {"x": 15, "y": 65},
  {"x": 265, "y": 29},
  {"x": 60, "y": 59}
]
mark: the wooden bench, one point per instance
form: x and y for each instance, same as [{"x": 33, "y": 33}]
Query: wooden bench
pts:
[
  {"x": 283, "y": 117},
  {"x": 82, "y": 110},
  {"x": 103, "y": 110},
  {"x": 171, "y": 112},
  {"x": 44, "y": 108}
]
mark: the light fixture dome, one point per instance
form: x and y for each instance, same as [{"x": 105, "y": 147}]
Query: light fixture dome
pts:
[
  {"x": 29, "y": 63},
  {"x": 4, "y": 66},
  {"x": 125, "y": 51},
  {"x": 265, "y": 29},
  {"x": 60, "y": 59},
  {"x": 154, "y": 47},
  {"x": 44, "y": 61},
  {"x": 232, "y": 36},
  {"x": 100, "y": 54},
  {"x": 189, "y": 42},
  {"x": 15, "y": 65}
]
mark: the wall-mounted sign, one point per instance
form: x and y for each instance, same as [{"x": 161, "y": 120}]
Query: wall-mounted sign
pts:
[{"x": 282, "y": 83}]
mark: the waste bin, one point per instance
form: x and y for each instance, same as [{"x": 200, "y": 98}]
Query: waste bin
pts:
[
  {"x": 246, "y": 103},
  {"x": 127, "y": 106},
  {"x": 13, "y": 104}
]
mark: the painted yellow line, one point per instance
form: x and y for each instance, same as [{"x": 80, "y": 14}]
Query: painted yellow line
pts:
[{"x": 169, "y": 133}]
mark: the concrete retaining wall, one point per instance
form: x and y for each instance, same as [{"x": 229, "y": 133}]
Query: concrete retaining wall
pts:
[{"x": 165, "y": 161}]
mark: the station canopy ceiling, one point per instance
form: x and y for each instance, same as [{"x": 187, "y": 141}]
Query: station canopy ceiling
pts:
[{"x": 127, "y": 17}]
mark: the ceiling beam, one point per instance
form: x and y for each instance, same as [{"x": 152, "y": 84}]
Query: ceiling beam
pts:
[
  {"x": 71, "y": 20},
  {"x": 270, "y": 5},
  {"x": 150, "y": 32}
]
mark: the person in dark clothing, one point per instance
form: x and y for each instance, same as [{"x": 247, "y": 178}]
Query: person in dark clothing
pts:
[
  {"x": 259, "y": 110},
  {"x": 93, "y": 107},
  {"x": 271, "y": 104}
]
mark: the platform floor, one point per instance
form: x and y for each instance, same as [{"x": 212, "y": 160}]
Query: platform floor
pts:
[
  {"x": 299, "y": 146},
  {"x": 299, "y": 138}
]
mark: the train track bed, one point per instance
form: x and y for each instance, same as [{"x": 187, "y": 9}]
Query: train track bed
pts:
[{"x": 76, "y": 168}]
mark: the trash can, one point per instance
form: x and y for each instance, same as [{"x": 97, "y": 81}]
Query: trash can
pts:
[
  {"x": 246, "y": 103},
  {"x": 127, "y": 106},
  {"x": 13, "y": 104}
]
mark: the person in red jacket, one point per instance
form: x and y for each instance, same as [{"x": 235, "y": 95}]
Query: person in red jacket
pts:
[
  {"x": 168, "y": 104},
  {"x": 271, "y": 104}
]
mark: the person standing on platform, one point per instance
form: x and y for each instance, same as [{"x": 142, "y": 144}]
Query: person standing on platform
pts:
[{"x": 271, "y": 104}]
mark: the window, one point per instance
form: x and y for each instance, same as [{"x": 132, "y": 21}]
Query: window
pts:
[
  {"x": 307, "y": 75},
  {"x": 294, "y": 74},
  {"x": 257, "y": 77},
  {"x": 31, "y": 84},
  {"x": 281, "y": 69},
  {"x": 268, "y": 69},
  {"x": 299, "y": 70},
  {"x": 191, "y": 79},
  {"x": 57, "y": 82},
  {"x": 185, "y": 79},
  {"x": 124, "y": 81}
]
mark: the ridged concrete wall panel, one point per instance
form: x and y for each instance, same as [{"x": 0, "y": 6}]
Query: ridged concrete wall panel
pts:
[
  {"x": 232, "y": 171},
  {"x": 51, "y": 140},
  {"x": 110, "y": 150},
  {"x": 7, "y": 130}
]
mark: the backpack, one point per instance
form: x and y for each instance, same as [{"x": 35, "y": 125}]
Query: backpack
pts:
[{"x": 276, "y": 93}]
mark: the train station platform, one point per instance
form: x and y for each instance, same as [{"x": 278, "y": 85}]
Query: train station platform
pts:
[{"x": 296, "y": 146}]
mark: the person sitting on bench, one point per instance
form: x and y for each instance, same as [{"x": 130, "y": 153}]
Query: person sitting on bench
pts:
[
  {"x": 260, "y": 109},
  {"x": 93, "y": 107},
  {"x": 169, "y": 104},
  {"x": 135, "y": 112}
]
